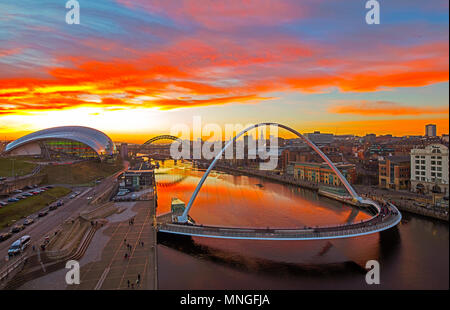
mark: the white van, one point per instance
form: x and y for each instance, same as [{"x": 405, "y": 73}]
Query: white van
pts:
[{"x": 19, "y": 245}]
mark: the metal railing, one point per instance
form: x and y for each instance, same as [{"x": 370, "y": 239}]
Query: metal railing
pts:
[{"x": 374, "y": 224}]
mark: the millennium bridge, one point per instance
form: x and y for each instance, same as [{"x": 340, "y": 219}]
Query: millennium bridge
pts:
[{"x": 386, "y": 215}]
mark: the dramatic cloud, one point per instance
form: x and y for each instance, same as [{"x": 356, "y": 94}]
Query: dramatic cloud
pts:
[
  {"x": 371, "y": 108},
  {"x": 167, "y": 55}
]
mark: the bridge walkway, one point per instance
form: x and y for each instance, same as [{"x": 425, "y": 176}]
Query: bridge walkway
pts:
[{"x": 387, "y": 218}]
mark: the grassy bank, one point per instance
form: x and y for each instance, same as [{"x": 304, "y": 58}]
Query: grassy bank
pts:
[
  {"x": 20, "y": 167},
  {"x": 23, "y": 208},
  {"x": 82, "y": 173}
]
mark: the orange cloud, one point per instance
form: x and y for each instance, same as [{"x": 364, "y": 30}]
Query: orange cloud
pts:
[
  {"x": 198, "y": 72},
  {"x": 370, "y": 108},
  {"x": 166, "y": 104}
]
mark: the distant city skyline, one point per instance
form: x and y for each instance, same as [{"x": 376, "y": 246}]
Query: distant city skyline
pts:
[{"x": 142, "y": 137}]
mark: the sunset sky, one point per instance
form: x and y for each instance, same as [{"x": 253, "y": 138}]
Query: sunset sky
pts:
[{"x": 134, "y": 68}]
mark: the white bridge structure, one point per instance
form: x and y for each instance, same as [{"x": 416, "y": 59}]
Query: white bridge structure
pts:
[{"x": 387, "y": 215}]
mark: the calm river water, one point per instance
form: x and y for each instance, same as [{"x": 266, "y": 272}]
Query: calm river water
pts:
[{"x": 414, "y": 255}]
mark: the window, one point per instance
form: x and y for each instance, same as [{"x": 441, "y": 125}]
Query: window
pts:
[
  {"x": 433, "y": 162},
  {"x": 439, "y": 163},
  {"x": 433, "y": 168},
  {"x": 422, "y": 162},
  {"x": 417, "y": 161},
  {"x": 433, "y": 174},
  {"x": 422, "y": 172},
  {"x": 439, "y": 175}
]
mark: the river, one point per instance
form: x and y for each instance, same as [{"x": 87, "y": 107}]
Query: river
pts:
[{"x": 414, "y": 255}]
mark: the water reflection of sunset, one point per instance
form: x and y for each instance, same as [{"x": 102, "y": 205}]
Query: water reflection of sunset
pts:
[{"x": 227, "y": 200}]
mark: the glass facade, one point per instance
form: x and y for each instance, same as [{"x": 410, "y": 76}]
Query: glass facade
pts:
[
  {"x": 74, "y": 140},
  {"x": 68, "y": 148}
]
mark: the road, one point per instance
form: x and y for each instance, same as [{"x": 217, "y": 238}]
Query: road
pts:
[{"x": 44, "y": 225}]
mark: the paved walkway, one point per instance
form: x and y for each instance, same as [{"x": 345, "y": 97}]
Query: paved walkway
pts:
[{"x": 114, "y": 271}]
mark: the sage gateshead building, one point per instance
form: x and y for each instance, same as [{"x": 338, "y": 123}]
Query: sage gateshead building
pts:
[{"x": 66, "y": 142}]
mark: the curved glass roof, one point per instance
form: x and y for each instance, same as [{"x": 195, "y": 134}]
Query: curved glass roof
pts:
[{"x": 93, "y": 138}]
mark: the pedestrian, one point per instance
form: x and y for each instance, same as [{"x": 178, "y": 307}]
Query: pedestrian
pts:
[
  {"x": 128, "y": 283},
  {"x": 137, "y": 283},
  {"x": 124, "y": 240},
  {"x": 132, "y": 285},
  {"x": 139, "y": 276}
]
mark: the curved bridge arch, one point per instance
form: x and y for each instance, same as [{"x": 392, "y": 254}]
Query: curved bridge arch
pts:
[
  {"x": 184, "y": 217},
  {"x": 154, "y": 139}
]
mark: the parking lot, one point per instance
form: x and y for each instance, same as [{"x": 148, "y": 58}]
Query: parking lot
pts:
[
  {"x": 18, "y": 195},
  {"x": 22, "y": 226}
]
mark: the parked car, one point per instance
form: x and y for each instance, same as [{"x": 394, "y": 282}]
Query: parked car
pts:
[
  {"x": 17, "y": 191},
  {"x": 59, "y": 203},
  {"x": 28, "y": 221},
  {"x": 53, "y": 207},
  {"x": 13, "y": 200},
  {"x": 17, "y": 228},
  {"x": 43, "y": 213},
  {"x": 3, "y": 204},
  {"x": 21, "y": 197},
  {"x": 2, "y": 178},
  {"x": 5, "y": 236},
  {"x": 19, "y": 245},
  {"x": 27, "y": 194},
  {"x": 122, "y": 193}
]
